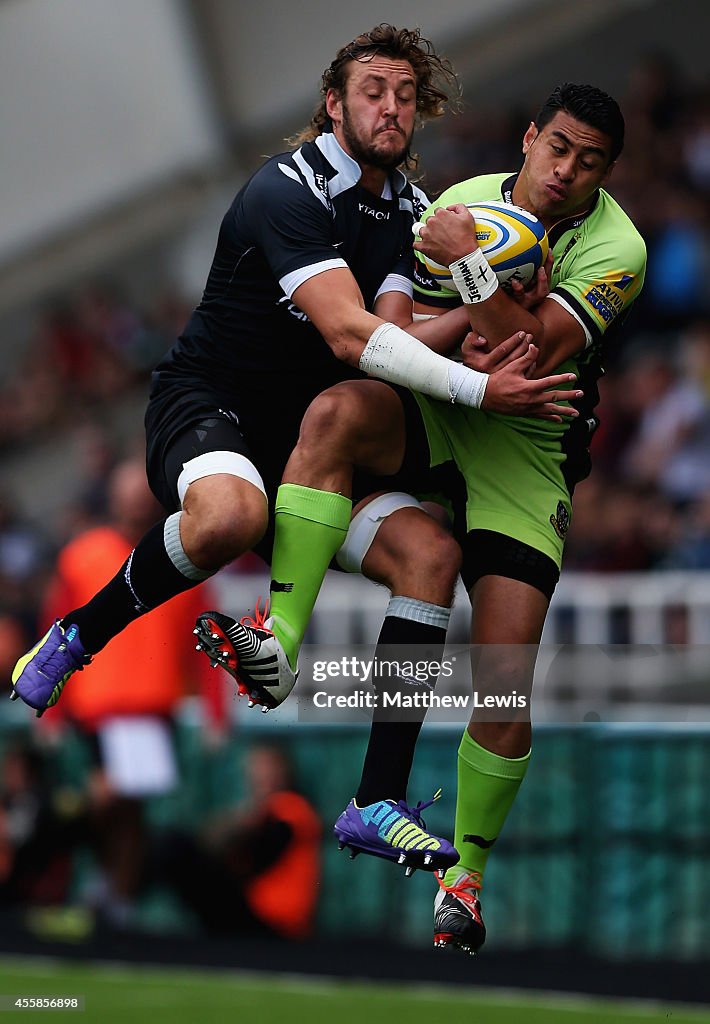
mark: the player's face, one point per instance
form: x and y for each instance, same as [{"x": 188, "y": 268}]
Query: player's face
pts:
[
  {"x": 374, "y": 120},
  {"x": 565, "y": 164}
]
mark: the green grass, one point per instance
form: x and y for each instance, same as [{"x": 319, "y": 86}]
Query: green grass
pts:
[{"x": 132, "y": 994}]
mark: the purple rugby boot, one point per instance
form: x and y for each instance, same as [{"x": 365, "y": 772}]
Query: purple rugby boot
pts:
[
  {"x": 397, "y": 832},
  {"x": 40, "y": 675}
]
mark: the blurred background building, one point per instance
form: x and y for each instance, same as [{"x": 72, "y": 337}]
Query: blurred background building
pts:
[{"x": 126, "y": 129}]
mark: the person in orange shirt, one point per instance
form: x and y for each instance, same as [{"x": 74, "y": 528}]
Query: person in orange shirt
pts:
[
  {"x": 126, "y": 703},
  {"x": 256, "y": 868}
]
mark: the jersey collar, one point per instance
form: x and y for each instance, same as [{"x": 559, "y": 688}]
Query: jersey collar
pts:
[
  {"x": 558, "y": 229},
  {"x": 347, "y": 170}
]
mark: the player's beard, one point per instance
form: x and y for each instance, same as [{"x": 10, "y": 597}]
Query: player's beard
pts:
[{"x": 369, "y": 154}]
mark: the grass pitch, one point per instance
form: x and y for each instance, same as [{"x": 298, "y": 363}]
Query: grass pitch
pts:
[{"x": 116, "y": 994}]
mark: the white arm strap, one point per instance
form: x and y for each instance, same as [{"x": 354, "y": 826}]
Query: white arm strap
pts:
[{"x": 397, "y": 357}]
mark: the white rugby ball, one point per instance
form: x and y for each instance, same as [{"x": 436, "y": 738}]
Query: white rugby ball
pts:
[{"x": 513, "y": 241}]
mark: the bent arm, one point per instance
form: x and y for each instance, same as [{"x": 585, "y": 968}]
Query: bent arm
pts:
[
  {"x": 555, "y": 332},
  {"x": 442, "y": 332},
  {"x": 333, "y": 302}
]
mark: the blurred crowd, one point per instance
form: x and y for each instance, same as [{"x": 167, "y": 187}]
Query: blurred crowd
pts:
[{"x": 78, "y": 852}]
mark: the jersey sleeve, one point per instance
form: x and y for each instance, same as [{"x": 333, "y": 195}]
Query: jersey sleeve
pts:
[
  {"x": 291, "y": 221},
  {"x": 429, "y": 289},
  {"x": 603, "y": 282},
  {"x": 401, "y": 277}
]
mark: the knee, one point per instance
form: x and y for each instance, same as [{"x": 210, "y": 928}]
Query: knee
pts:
[
  {"x": 411, "y": 554},
  {"x": 426, "y": 546},
  {"x": 218, "y": 530},
  {"x": 442, "y": 558},
  {"x": 505, "y": 668},
  {"x": 334, "y": 420}
]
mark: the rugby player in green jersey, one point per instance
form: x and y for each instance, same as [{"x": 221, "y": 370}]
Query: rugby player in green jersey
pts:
[{"x": 519, "y": 473}]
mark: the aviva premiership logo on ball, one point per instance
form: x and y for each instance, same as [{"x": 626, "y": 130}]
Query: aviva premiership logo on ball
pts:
[{"x": 513, "y": 241}]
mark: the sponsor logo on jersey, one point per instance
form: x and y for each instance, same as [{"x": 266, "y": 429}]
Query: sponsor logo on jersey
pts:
[
  {"x": 623, "y": 283},
  {"x": 424, "y": 279},
  {"x": 322, "y": 186},
  {"x": 280, "y": 588},
  {"x": 605, "y": 300},
  {"x": 376, "y": 214},
  {"x": 560, "y": 521}
]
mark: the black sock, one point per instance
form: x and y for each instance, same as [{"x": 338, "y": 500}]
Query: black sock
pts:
[
  {"x": 146, "y": 579},
  {"x": 390, "y": 750}
]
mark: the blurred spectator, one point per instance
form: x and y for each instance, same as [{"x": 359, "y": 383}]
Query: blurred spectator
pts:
[
  {"x": 25, "y": 558},
  {"x": 97, "y": 455},
  {"x": 678, "y": 262},
  {"x": 13, "y": 643},
  {"x": 697, "y": 144},
  {"x": 124, "y": 704},
  {"x": 255, "y": 869},
  {"x": 672, "y": 439},
  {"x": 39, "y": 829},
  {"x": 692, "y": 549},
  {"x": 656, "y": 96}
]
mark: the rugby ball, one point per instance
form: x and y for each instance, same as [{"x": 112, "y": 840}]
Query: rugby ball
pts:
[{"x": 513, "y": 241}]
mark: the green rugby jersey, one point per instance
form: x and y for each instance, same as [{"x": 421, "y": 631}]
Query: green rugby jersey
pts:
[{"x": 598, "y": 270}]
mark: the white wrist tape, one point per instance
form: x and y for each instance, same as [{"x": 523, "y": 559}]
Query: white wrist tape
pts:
[
  {"x": 397, "y": 357},
  {"x": 474, "y": 277}
]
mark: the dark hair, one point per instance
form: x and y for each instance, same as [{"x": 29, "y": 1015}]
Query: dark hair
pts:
[
  {"x": 588, "y": 104},
  {"x": 435, "y": 78}
]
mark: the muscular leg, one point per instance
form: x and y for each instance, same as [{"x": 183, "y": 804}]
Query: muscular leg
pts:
[
  {"x": 362, "y": 424},
  {"x": 508, "y": 617},
  {"x": 223, "y": 516},
  {"x": 355, "y": 424},
  {"x": 419, "y": 563}
]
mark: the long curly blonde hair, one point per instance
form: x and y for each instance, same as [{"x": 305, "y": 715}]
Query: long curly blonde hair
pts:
[{"x": 437, "y": 84}]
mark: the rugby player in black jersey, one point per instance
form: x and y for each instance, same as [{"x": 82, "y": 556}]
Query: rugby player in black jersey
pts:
[{"x": 310, "y": 285}]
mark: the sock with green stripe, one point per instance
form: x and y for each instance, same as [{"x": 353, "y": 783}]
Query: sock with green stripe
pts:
[
  {"x": 310, "y": 528},
  {"x": 487, "y": 787}
]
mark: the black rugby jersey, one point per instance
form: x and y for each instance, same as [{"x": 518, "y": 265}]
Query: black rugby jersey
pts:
[{"x": 301, "y": 213}]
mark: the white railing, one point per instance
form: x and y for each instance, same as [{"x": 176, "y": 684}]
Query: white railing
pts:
[
  {"x": 623, "y": 648},
  {"x": 634, "y": 608}
]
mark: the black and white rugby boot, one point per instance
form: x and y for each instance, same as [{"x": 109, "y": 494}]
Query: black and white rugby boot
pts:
[
  {"x": 250, "y": 652},
  {"x": 457, "y": 914}
]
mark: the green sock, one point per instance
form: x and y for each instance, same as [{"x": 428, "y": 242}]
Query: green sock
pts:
[
  {"x": 487, "y": 787},
  {"x": 310, "y": 527}
]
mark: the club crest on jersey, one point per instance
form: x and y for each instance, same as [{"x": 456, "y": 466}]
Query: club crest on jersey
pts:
[{"x": 560, "y": 521}]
